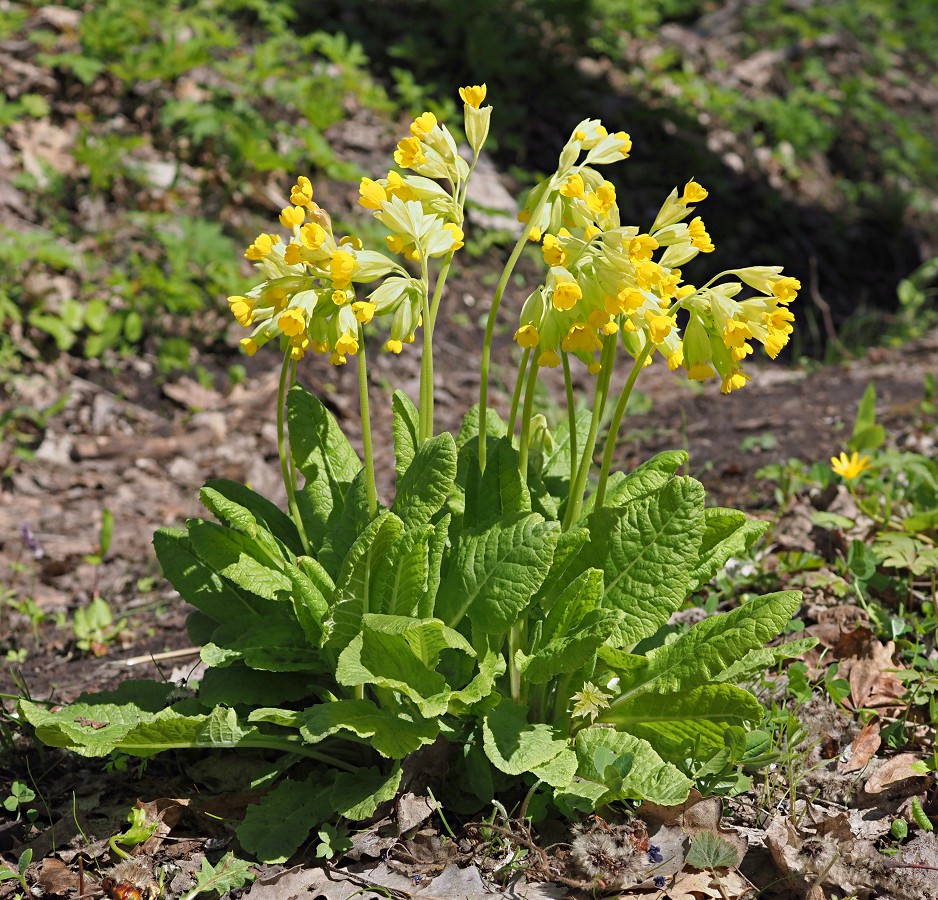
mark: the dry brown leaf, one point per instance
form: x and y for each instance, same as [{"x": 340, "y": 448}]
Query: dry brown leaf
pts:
[
  {"x": 871, "y": 685},
  {"x": 896, "y": 775},
  {"x": 864, "y": 747}
]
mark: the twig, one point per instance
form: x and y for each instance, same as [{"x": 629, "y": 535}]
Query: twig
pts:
[
  {"x": 825, "y": 309},
  {"x": 156, "y": 657}
]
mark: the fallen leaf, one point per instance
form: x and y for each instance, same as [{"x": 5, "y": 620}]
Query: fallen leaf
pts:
[
  {"x": 896, "y": 775},
  {"x": 863, "y": 748}
]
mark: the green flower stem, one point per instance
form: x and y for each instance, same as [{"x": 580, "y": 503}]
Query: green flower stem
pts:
[
  {"x": 578, "y": 488},
  {"x": 571, "y": 412},
  {"x": 370, "y": 486},
  {"x": 617, "y": 415},
  {"x": 426, "y": 362},
  {"x": 514, "y": 676},
  {"x": 493, "y": 315},
  {"x": 516, "y": 396},
  {"x": 438, "y": 288},
  {"x": 286, "y": 461},
  {"x": 526, "y": 420}
]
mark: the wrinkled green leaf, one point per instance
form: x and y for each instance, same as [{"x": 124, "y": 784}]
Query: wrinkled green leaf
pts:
[
  {"x": 423, "y": 488},
  {"x": 266, "y": 513},
  {"x": 406, "y": 429},
  {"x": 357, "y": 796},
  {"x": 515, "y": 746},
  {"x": 727, "y": 533}
]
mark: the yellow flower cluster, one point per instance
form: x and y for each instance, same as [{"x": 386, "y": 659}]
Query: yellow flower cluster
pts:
[
  {"x": 606, "y": 278},
  {"x": 308, "y": 298}
]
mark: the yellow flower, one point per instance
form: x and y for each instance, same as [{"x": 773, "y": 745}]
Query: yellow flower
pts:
[
  {"x": 473, "y": 95},
  {"x": 292, "y": 216},
  {"x": 397, "y": 187},
  {"x": 364, "y": 311},
  {"x": 341, "y": 267},
  {"x": 641, "y": 248},
  {"x": 292, "y": 322},
  {"x": 347, "y": 344},
  {"x": 548, "y": 359},
  {"x": 409, "y": 153},
  {"x": 372, "y": 194},
  {"x": 698, "y": 235},
  {"x": 249, "y": 346},
  {"x": 786, "y": 289},
  {"x": 301, "y": 194},
  {"x": 601, "y": 201},
  {"x": 242, "y": 309},
  {"x": 734, "y": 381},
  {"x": 340, "y": 298},
  {"x": 581, "y": 337},
  {"x": 573, "y": 187},
  {"x": 850, "y": 467},
  {"x": 457, "y": 233},
  {"x": 659, "y": 327},
  {"x": 292, "y": 254},
  {"x": 735, "y": 333},
  {"x": 312, "y": 235},
  {"x": 527, "y": 336},
  {"x": 700, "y": 372},
  {"x": 626, "y": 147},
  {"x": 553, "y": 251},
  {"x": 262, "y": 245},
  {"x": 394, "y": 346},
  {"x": 693, "y": 193},
  {"x": 423, "y": 125},
  {"x": 566, "y": 295}
]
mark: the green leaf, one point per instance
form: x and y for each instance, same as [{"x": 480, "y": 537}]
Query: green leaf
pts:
[
  {"x": 240, "y": 518},
  {"x": 513, "y": 745},
  {"x": 269, "y": 644},
  {"x": 357, "y": 796},
  {"x": 706, "y": 650},
  {"x": 353, "y": 593},
  {"x": 406, "y": 429},
  {"x": 423, "y": 488},
  {"x": 390, "y": 733},
  {"x": 763, "y": 659},
  {"x": 274, "y": 828},
  {"x": 238, "y": 685},
  {"x": 559, "y": 771},
  {"x": 310, "y": 605},
  {"x": 564, "y": 568},
  {"x": 266, "y": 513},
  {"x": 401, "y": 654},
  {"x": 469, "y": 428},
  {"x": 867, "y": 435},
  {"x": 641, "y": 773},
  {"x": 727, "y": 533},
  {"x": 496, "y": 571},
  {"x": 647, "y": 551},
  {"x": 238, "y": 558},
  {"x": 648, "y": 478},
  {"x": 324, "y": 456},
  {"x": 501, "y": 492},
  {"x": 344, "y": 526},
  {"x": 230, "y": 873},
  {"x": 401, "y": 581},
  {"x": 710, "y": 851},
  {"x": 436, "y": 547},
  {"x": 555, "y": 468}
]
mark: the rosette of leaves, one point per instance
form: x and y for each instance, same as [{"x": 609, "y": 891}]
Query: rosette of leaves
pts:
[{"x": 462, "y": 613}]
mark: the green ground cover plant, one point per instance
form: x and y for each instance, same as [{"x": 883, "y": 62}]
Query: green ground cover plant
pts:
[{"x": 510, "y": 607}]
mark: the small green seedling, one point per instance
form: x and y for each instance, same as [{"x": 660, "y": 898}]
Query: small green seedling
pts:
[
  {"x": 21, "y": 795},
  {"x": 6, "y": 873}
]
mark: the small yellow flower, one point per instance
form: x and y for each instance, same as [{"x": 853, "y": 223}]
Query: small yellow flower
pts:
[
  {"x": 364, "y": 311},
  {"x": 397, "y": 187},
  {"x": 693, "y": 193},
  {"x": 262, "y": 246},
  {"x": 409, "y": 153},
  {"x": 473, "y": 95},
  {"x": 626, "y": 147},
  {"x": 786, "y": 289},
  {"x": 372, "y": 194},
  {"x": 394, "y": 346},
  {"x": 700, "y": 372},
  {"x": 458, "y": 235},
  {"x": 249, "y": 346},
  {"x": 850, "y": 467},
  {"x": 573, "y": 187},
  {"x": 292, "y": 216},
  {"x": 659, "y": 327},
  {"x": 566, "y": 295},
  {"x": 698, "y": 235},
  {"x": 242, "y": 309},
  {"x": 341, "y": 267},
  {"x": 301, "y": 194},
  {"x": 347, "y": 344},
  {"x": 292, "y": 322},
  {"x": 553, "y": 251},
  {"x": 292, "y": 254},
  {"x": 527, "y": 336},
  {"x": 641, "y": 248},
  {"x": 423, "y": 125},
  {"x": 548, "y": 359},
  {"x": 312, "y": 235},
  {"x": 734, "y": 381}
]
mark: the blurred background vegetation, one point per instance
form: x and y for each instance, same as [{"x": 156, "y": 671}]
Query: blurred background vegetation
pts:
[{"x": 143, "y": 143}]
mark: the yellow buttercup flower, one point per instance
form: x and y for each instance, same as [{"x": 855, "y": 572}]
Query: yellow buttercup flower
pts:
[
  {"x": 698, "y": 235},
  {"x": 249, "y": 346},
  {"x": 292, "y": 322},
  {"x": 341, "y": 267},
  {"x": 261, "y": 247},
  {"x": 242, "y": 309},
  {"x": 527, "y": 336},
  {"x": 786, "y": 289},
  {"x": 850, "y": 467},
  {"x": 642, "y": 247},
  {"x": 292, "y": 216},
  {"x": 364, "y": 311},
  {"x": 573, "y": 187},
  {"x": 473, "y": 95},
  {"x": 553, "y": 251}
]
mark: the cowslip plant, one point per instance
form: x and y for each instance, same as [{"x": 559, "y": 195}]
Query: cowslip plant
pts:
[{"x": 496, "y": 608}]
